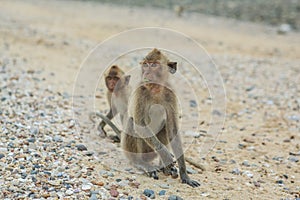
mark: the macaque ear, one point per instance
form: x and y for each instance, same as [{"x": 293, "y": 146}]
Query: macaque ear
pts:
[
  {"x": 127, "y": 79},
  {"x": 172, "y": 67}
]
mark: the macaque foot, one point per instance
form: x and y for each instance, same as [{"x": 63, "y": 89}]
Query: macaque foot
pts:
[
  {"x": 115, "y": 139},
  {"x": 102, "y": 132},
  {"x": 153, "y": 174},
  {"x": 170, "y": 170},
  {"x": 190, "y": 182}
]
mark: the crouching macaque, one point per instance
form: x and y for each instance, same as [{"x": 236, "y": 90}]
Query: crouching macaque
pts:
[
  {"x": 117, "y": 97},
  {"x": 155, "y": 121}
]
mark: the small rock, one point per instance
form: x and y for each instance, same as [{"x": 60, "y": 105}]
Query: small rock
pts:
[
  {"x": 294, "y": 118},
  {"x": 86, "y": 187},
  {"x": 277, "y": 158},
  {"x": 114, "y": 193},
  {"x": 89, "y": 153},
  {"x": 56, "y": 138},
  {"x": 192, "y": 133},
  {"x": 256, "y": 184},
  {"x": 217, "y": 112},
  {"x": 204, "y": 194},
  {"x": 279, "y": 182},
  {"x": 34, "y": 130},
  {"x": 54, "y": 183},
  {"x": 164, "y": 186},
  {"x": 247, "y": 173},
  {"x": 174, "y": 197},
  {"x": 99, "y": 183},
  {"x": 236, "y": 171},
  {"x": 162, "y": 192},
  {"x": 193, "y": 103},
  {"x": 246, "y": 163},
  {"x": 46, "y": 195},
  {"x": 31, "y": 140},
  {"x": 2, "y": 155},
  {"x": 293, "y": 159},
  {"x": 191, "y": 171},
  {"x": 81, "y": 147},
  {"x": 250, "y": 88},
  {"x": 149, "y": 193},
  {"x": 69, "y": 192}
]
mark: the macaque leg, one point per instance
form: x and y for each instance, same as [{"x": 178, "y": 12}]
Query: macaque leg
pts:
[
  {"x": 148, "y": 133},
  {"x": 103, "y": 123}
]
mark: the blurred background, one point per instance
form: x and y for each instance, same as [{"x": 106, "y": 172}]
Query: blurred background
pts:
[{"x": 274, "y": 12}]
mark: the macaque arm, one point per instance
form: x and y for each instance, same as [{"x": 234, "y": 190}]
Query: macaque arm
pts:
[
  {"x": 107, "y": 120},
  {"x": 176, "y": 146}
]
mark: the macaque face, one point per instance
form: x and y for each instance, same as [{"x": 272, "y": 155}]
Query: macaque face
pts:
[
  {"x": 153, "y": 72},
  {"x": 111, "y": 81}
]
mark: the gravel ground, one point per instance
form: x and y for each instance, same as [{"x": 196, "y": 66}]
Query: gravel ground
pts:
[{"x": 46, "y": 154}]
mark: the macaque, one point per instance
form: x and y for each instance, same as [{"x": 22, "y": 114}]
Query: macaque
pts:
[
  {"x": 154, "y": 124},
  {"x": 117, "y": 97}
]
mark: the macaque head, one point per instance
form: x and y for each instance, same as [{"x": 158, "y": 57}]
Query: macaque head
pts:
[
  {"x": 156, "y": 67},
  {"x": 122, "y": 83},
  {"x": 112, "y": 77}
]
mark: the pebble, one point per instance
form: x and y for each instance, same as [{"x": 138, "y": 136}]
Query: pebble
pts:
[
  {"x": 191, "y": 171},
  {"x": 247, "y": 173},
  {"x": 162, "y": 192},
  {"x": 106, "y": 174},
  {"x": 99, "y": 183},
  {"x": 279, "y": 182},
  {"x": 164, "y": 186},
  {"x": 149, "y": 193},
  {"x": 191, "y": 133},
  {"x": 236, "y": 171},
  {"x": 246, "y": 163},
  {"x": 2, "y": 155},
  {"x": 81, "y": 147},
  {"x": 31, "y": 140},
  {"x": 174, "y": 197},
  {"x": 114, "y": 193},
  {"x": 193, "y": 103},
  {"x": 293, "y": 159},
  {"x": 57, "y": 138},
  {"x": 86, "y": 187},
  {"x": 69, "y": 192}
]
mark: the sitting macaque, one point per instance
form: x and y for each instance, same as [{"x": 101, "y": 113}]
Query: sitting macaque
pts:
[
  {"x": 154, "y": 124},
  {"x": 117, "y": 97}
]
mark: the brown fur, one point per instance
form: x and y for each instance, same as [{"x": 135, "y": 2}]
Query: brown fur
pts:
[
  {"x": 112, "y": 79},
  {"x": 154, "y": 89}
]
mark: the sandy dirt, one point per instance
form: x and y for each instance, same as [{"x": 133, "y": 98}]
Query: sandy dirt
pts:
[{"x": 257, "y": 153}]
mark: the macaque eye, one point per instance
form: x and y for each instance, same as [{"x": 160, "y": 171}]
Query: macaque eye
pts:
[
  {"x": 151, "y": 64},
  {"x": 116, "y": 78},
  {"x": 109, "y": 78},
  {"x": 145, "y": 65},
  {"x": 156, "y": 64}
]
